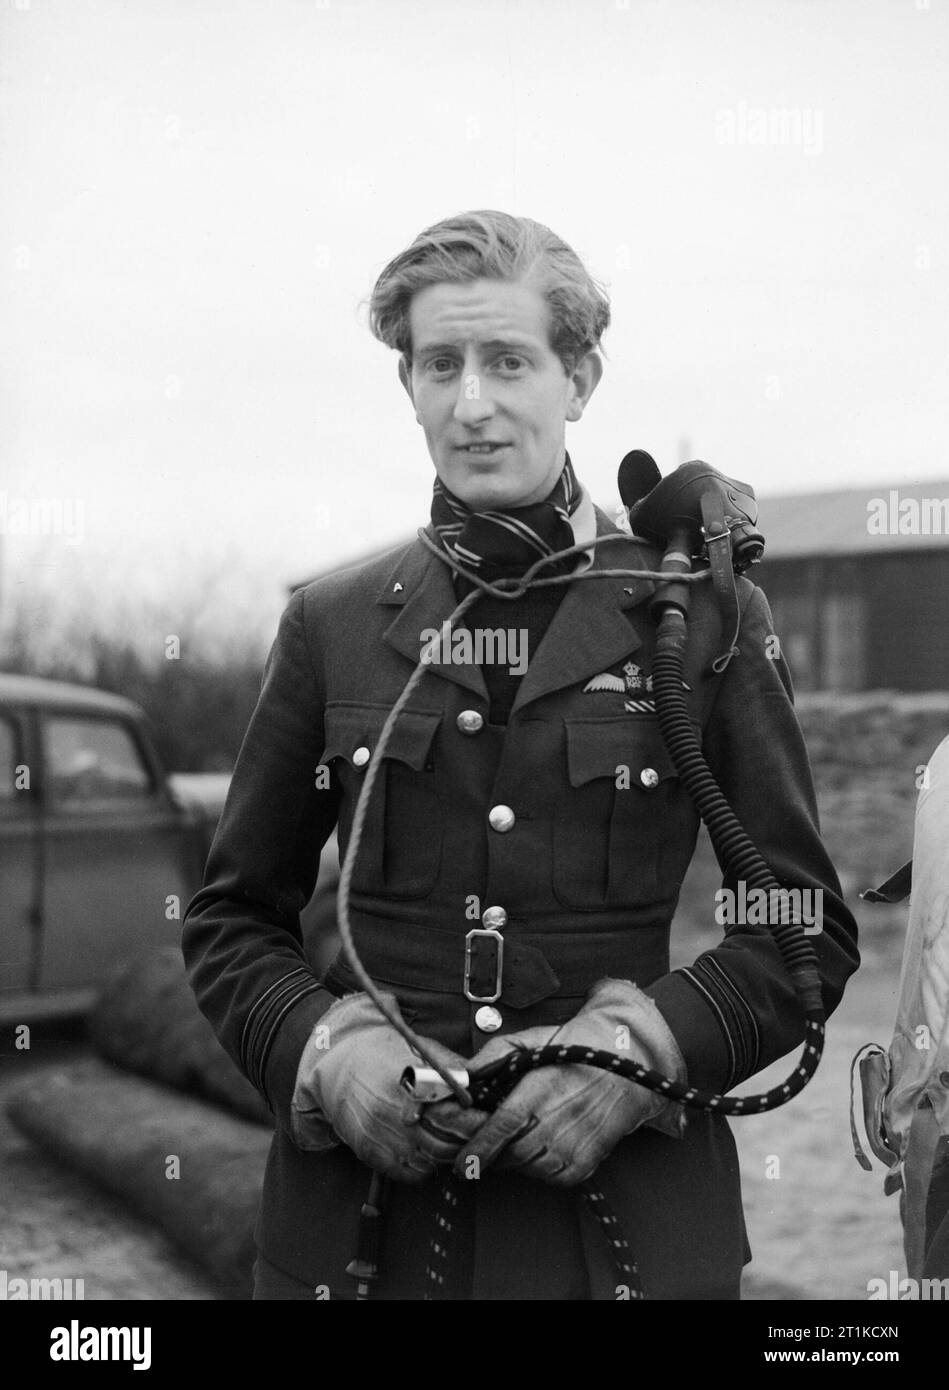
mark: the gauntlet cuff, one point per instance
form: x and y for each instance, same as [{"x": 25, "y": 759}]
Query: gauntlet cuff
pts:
[{"x": 623, "y": 1005}]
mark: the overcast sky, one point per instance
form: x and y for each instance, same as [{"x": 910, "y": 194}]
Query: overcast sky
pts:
[{"x": 198, "y": 195}]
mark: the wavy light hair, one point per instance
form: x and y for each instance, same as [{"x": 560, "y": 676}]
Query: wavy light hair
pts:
[{"x": 494, "y": 246}]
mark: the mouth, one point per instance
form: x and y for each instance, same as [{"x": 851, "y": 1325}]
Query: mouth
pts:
[{"x": 483, "y": 449}]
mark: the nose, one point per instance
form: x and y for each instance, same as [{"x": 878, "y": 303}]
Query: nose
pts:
[{"x": 473, "y": 404}]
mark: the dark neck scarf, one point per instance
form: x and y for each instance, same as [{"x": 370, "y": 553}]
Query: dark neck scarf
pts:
[{"x": 502, "y": 545}]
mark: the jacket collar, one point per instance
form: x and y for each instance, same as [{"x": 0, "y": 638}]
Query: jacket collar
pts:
[{"x": 588, "y": 633}]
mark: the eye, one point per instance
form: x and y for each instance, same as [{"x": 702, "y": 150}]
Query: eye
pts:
[
  {"x": 511, "y": 362},
  {"x": 440, "y": 365}
]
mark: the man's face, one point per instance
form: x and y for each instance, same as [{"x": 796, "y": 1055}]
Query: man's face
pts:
[{"x": 489, "y": 391}]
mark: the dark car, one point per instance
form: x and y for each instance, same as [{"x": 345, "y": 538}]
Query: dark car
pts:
[{"x": 100, "y": 849}]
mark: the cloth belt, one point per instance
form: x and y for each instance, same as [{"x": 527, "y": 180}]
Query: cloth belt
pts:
[{"x": 536, "y": 966}]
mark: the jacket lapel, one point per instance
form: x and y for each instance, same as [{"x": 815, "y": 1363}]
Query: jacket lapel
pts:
[
  {"x": 420, "y": 585},
  {"x": 589, "y": 631}
]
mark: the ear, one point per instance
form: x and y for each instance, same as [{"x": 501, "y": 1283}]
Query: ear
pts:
[
  {"x": 405, "y": 376},
  {"x": 582, "y": 382}
]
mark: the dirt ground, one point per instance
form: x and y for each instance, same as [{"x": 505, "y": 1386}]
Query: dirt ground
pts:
[
  {"x": 53, "y": 1223},
  {"x": 823, "y": 1225}
]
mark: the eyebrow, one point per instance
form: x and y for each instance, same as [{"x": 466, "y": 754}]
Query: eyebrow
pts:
[{"x": 494, "y": 345}]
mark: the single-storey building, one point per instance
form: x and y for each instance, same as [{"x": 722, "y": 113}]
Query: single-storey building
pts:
[{"x": 858, "y": 583}]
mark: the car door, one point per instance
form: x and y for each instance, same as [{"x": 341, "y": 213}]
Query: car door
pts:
[
  {"x": 119, "y": 857},
  {"x": 19, "y": 858}
]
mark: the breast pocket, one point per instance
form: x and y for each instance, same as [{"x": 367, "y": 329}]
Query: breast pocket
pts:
[
  {"x": 401, "y": 845},
  {"x": 624, "y": 798}
]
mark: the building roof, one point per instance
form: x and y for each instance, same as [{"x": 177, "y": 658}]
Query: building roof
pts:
[
  {"x": 851, "y": 521},
  {"x": 856, "y": 521}
]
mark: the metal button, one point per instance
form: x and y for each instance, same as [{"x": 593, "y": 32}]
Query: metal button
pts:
[
  {"x": 469, "y": 721},
  {"x": 501, "y": 818},
  {"x": 494, "y": 918},
  {"x": 649, "y": 777},
  {"x": 488, "y": 1019},
  {"x": 361, "y": 757}
]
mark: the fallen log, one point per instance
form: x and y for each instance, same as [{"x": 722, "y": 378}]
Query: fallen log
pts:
[
  {"x": 191, "y": 1167},
  {"x": 146, "y": 1020}
]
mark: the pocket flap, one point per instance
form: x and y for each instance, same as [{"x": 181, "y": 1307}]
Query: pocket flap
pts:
[
  {"x": 352, "y": 727},
  {"x": 598, "y": 747}
]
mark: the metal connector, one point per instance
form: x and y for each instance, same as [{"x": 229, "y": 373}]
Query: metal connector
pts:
[{"x": 425, "y": 1084}]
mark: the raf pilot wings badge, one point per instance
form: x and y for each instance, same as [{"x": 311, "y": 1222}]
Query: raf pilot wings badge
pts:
[{"x": 631, "y": 682}]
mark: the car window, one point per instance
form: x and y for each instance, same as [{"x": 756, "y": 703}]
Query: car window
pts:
[
  {"x": 93, "y": 760},
  {"x": 7, "y": 761}
]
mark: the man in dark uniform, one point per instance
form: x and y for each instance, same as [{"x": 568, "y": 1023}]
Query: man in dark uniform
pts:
[{"x": 527, "y": 798}]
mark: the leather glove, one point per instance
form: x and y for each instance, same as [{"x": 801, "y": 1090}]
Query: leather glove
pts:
[
  {"x": 347, "y": 1088},
  {"x": 560, "y": 1122}
]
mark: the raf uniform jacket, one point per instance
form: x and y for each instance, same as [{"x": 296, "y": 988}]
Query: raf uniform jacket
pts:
[{"x": 588, "y": 875}]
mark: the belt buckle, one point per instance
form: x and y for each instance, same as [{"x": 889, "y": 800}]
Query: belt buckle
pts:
[{"x": 498, "y": 939}]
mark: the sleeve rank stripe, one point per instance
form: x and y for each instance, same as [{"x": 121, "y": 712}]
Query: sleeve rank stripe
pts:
[
  {"x": 733, "y": 1021},
  {"x": 253, "y": 1046},
  {"x": 744, "y": 1009},
  {"x": 713, "y": 1003},
  {"x": 274, "y": 1027},
  {"x": 732, "y": 1008},
  {"x": 255, "y": 1009}
]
